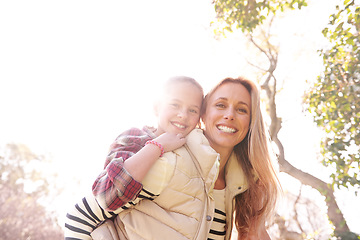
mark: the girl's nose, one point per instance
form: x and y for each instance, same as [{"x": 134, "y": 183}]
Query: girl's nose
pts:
[{"x": 182, "y": 114}]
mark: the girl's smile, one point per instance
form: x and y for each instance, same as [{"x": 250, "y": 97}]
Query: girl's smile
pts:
[
  {"x": 178, "y": 125},
  {"x": 179, "y": 109}
]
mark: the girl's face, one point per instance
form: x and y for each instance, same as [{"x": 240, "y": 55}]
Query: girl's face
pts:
[
  {"x": 227, "y": 116},
  {"x": 179, "y": 109}
]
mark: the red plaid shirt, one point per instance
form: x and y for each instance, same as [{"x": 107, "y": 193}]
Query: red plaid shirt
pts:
[{"x": 115, "y": 187}]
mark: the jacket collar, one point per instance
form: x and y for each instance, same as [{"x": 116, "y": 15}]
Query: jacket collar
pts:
[
  {"x": 200, "y": 147},
  {"x": 205, "y": 158},
  {"x": 234, "y": 176},
  {"x": 236, "y": 183}
]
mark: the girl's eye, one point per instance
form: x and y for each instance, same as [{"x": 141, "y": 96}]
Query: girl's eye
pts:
[
  {"x": 175, "y": 105},
  {"x": 193, "y": 111},
  {"x": 220, "y": 105}
]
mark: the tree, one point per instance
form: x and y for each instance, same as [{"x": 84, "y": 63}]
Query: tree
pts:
[
  {"x": 243, "y": 16},
  {"x": 247, "y": 15},
  {"x": 23, "y": 186},
  {"x": 334, "y": 100},
  {"x": 270, "y": 86}
]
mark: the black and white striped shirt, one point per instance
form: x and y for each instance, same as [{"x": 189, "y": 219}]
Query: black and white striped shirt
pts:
[{"x": 218, "y": 231}]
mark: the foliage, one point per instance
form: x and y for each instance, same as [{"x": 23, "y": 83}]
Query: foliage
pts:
[
  {"x": 23, "y": 185},
  {"x": 334, "y": 100},
  {"x": 247, "y": 15}
]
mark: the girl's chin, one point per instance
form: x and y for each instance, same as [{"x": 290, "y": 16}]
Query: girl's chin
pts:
[{"x": 180, "y": 131}]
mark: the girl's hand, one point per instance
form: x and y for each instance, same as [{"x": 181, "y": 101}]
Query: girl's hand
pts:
[{"x": 170, "y": 141}]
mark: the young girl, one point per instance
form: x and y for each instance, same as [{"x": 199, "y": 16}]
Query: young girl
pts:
[{"x": 151, "y": 194}]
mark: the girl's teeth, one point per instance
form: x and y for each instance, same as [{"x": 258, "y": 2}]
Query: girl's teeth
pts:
[
  {"x": 226, "y": 129},
  {"x": 179, "y": 125}
]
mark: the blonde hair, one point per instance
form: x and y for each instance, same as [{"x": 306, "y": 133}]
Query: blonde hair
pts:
[
  {"x": 255, "y": 206},
  {"x": 171, "y": 83},
  {"x": 182, "y": 79}
]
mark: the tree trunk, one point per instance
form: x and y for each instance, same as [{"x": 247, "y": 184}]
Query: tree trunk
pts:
[{"x": 334, "y": 213}]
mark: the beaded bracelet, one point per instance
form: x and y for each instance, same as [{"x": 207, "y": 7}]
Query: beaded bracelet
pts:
[{"x": 156, "y": 144}]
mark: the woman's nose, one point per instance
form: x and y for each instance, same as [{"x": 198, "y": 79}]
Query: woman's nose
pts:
[{"x": 229, "y": 114}]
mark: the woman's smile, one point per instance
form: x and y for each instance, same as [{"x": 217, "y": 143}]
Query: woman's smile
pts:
[
  {"x": 227, "y": 116},
  {"x": 226, "y": 129}
]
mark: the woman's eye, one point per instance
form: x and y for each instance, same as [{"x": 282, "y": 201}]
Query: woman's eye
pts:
[
  {"x": 242, "y": 110},
  {"x": 193, "y": 111}
]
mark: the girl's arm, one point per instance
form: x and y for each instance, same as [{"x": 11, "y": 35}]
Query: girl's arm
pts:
[
  {"x": 114, "y": 186},
  {"x": 127, "y": 165},
  {"x": 83, "y": 218},
  {"x": 140, "y": 163}
]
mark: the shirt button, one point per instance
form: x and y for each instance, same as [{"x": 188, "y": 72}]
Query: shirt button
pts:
[{"x": 208, "y": 218}]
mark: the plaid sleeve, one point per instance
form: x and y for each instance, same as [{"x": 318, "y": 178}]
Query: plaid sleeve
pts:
[{"x": 115, "y": 187}]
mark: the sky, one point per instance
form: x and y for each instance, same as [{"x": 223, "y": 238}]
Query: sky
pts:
[{"x": 75, "y": 74}]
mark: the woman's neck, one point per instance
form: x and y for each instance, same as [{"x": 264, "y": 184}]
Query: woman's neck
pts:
[
  {"x": 224, "y": 154},
  {"x": 220, "y": 183}
]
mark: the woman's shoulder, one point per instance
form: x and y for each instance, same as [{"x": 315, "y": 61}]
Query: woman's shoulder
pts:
[
  {"x": 198, "y": 144},
  {"x": 235, "y": 176},
  {"x": 197, "y": 138},
  {"x": 197, "y": 135}
]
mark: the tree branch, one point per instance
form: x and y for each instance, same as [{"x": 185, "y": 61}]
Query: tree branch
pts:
[{"x": 334, "y": 213}]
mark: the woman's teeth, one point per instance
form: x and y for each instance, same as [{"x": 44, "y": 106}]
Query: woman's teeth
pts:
[{"x": 226, "y": 129}]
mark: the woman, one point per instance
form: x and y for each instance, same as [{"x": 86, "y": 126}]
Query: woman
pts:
[
  {"x": 246, "y": 187},
  {"x": 235, "y": 129}
]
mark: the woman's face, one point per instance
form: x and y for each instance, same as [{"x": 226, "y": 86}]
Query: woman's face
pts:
[{"x": 227, "y": 116}]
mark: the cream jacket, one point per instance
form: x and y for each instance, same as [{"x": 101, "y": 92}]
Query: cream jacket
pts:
[
  {"x": 236, "y": 183},
  {"x": 184, "y": 208}
]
